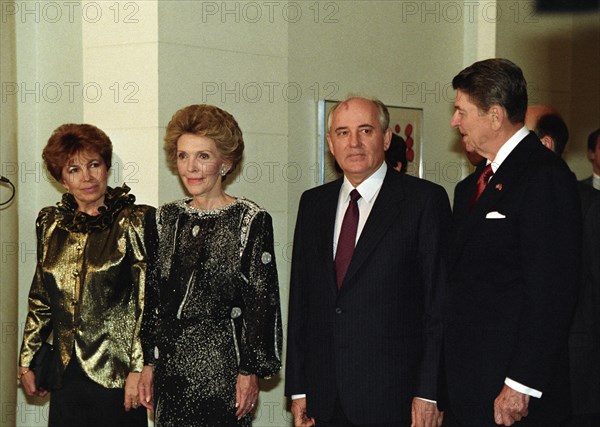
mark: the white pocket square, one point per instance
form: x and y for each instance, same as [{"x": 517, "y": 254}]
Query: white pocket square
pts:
[{"x": 495, "y": 215}]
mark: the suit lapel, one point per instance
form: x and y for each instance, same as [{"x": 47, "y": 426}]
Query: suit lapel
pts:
[
  {"x": 464, "y": 193},
  {"x": 324, "y": 238},
  {"x": 384, "y": 211}
]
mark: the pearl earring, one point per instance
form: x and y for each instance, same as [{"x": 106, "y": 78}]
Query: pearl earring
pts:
[{"x": 222, "y": 171}]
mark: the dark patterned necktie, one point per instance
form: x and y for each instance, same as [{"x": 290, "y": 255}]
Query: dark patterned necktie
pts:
[
  {"x": 347, "y": 239},
  {"x": 482, "y": 181}
]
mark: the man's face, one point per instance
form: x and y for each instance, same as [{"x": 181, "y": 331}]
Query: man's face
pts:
[
  {"x": 594, "y": 157},
  {"x": 474, "y": 125},
  {"x": 356, "y": 139}
]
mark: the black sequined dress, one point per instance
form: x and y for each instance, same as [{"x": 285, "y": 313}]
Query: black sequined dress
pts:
[{"x": 212, "y": 311}]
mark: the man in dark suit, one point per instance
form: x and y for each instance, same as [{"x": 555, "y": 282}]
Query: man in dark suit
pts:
[
  {"x": 584, "y": 339},
  {"x": 593, "y": 149},
  {"x": 395, "y": 155},
  {"x": 514, "y": 272},
  {"x": 549, "y": 127},
  {"x": 364, "y": 346}
]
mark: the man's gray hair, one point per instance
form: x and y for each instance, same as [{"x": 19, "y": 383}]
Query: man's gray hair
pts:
[{"x": 384, "y": 115}]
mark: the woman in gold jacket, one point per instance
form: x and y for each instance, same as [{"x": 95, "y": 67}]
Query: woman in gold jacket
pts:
[{"x": 93, "y": 252}]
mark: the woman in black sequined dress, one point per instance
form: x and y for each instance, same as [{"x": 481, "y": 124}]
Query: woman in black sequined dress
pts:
[{"x": 212, "y": 324}]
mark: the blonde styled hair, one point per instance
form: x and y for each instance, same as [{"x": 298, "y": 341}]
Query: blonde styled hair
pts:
[{"x": 208, "y": 121}]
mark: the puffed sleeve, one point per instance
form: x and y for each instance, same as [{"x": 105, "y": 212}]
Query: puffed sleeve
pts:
[
  {"x": 38, "y": 323},
  {"x": 260, "y": 348},
  {"x": 150, "y": 313},
  {"x": 143, "y": 240}
]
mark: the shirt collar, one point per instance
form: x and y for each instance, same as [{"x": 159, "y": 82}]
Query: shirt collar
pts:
[
  {"x": 368, "y": 189},
  {"x": 507, "y": 148},
  {"x": 595, "y": 181}
]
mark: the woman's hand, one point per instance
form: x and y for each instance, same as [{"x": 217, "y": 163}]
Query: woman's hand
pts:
[
  {"x": 246, "y": 394},
  {"x": 146, "y": 387},
  {"x": 28, "y": 382},
  {"x": 132, "y": 400}
]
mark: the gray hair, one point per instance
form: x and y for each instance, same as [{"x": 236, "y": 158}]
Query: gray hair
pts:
[{"x": 384, "y": 115}]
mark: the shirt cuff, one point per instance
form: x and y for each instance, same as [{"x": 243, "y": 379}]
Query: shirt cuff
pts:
[
  {"x": 298, "y": 396},
  {"x": 426, "y": 400},
  {"x": 522, "y": 388}
]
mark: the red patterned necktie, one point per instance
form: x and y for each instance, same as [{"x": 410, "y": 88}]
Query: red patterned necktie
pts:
[
  {"x": 482, "y": 181},
  {"x": 347, "y": 239}
]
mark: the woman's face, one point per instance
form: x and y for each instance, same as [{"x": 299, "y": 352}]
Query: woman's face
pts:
[
  {"x": 199, "y": 163},
  {"x": 85, "y": 175}
]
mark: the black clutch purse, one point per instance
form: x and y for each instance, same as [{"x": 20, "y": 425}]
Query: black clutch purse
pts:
[{"x": 42, "y": 365}]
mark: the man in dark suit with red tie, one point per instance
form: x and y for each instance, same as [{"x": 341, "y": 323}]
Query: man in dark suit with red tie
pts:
[
  {"x": 515, "y": 262},
  {"x": 368, "y": 276}
]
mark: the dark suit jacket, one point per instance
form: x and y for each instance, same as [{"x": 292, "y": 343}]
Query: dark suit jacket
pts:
[
  {"x": 513, "y": 286},
  {"x": 377, "y": 342},
  {"x": 588, "y": 181},
  {"x": 584, "y": 341}
]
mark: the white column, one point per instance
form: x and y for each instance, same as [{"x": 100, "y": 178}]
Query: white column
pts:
[
  {"x": 480, "y": 20},
  {"x": 120, "y": 70}
]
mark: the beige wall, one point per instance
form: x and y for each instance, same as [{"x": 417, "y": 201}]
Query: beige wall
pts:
[
  {"x": 120, "y": 56},
  {"x": 395, "y": 51},
  {"x": 268, "y": 63},
  {"x": 560, "y": 58},
  {"x": 585, "y": 89},
  {"x": 9, "y": 237},
  {"x": 49, "y": 81}
]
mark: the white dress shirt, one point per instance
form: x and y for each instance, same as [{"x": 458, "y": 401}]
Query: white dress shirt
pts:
[
  {"x": 596, "y": 181},
  {"x": 368, "y": 190}
]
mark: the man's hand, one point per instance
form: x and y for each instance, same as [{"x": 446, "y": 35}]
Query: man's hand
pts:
[
  {"x": 510, "y": 406},
  {"x": 299, "y": 413},
  {"x": 425, "y": 414}
]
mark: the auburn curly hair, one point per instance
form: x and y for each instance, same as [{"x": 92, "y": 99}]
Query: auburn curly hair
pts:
[{"x": 71, "y": 138}]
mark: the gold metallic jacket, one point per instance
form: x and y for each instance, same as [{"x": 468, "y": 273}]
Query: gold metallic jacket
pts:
[{"x": 88, "y": 286}]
